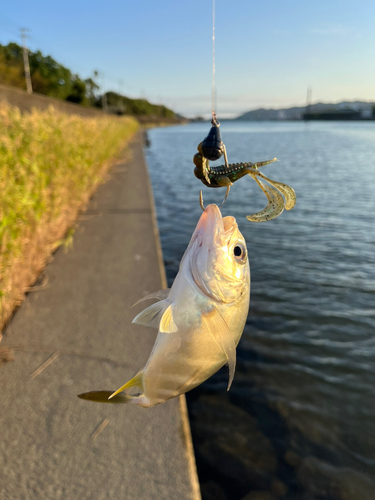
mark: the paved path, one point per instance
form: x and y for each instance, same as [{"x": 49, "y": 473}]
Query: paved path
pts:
[{"x": 52, "y": 444}]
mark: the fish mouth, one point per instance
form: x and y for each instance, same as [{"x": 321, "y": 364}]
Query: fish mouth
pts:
[
  {"x": 209, "y": 248},
  {"x": 214, "y": 229},
  {"x": 210, "y": 221}
]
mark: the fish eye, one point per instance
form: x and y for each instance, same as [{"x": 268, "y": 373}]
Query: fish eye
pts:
[{"x": 239, "y": 252}]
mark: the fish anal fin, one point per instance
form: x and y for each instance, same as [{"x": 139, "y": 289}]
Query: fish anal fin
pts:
[
  {"x": 167, "y": 325},
  {"x": 136, "y": 381},
  {"x": 152, "y": 315},
  {"x": 220, "y": 332}
]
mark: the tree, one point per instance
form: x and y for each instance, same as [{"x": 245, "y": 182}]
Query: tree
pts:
[
  {"x": 52, "y": 79},
  {"x": 91, "y": 90},
  {"x": 78, "y": 92}
]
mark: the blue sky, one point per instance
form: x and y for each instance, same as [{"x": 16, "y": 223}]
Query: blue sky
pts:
[{"x": 267, "y": 51}]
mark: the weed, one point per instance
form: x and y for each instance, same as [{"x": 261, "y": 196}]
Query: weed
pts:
[{"x": 50, "y": 162}]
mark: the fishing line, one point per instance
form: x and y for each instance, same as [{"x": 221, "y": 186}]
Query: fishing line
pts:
[{"x": 213, "y": 61}]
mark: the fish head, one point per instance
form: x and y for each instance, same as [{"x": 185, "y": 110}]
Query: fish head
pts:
[{"x": 217, "y": 257}]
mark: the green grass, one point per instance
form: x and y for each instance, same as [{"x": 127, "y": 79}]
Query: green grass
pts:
[{"x": 49, "y": 164}]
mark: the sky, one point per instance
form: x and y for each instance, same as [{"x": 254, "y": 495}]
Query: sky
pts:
[{"x": 268, "y": 52}]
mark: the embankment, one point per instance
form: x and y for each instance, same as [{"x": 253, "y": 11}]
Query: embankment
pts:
[
  {"x": 51, "y": 160},
  {"x": 26, "y": 102}
]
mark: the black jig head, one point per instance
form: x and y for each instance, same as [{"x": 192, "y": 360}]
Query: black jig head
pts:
[{"x": 212, "y": 146}]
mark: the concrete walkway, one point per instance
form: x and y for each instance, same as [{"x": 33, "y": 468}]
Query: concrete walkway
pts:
[{"x": 76, "y": 336}]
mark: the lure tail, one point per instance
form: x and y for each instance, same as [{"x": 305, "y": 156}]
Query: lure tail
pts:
[{"x": 276, "y": 202}]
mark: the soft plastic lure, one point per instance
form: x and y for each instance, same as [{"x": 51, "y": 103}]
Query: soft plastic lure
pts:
[{"x": 212, "y": 148}]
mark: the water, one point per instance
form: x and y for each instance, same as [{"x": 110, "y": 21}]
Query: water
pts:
[{"x": 299, "y": 420}]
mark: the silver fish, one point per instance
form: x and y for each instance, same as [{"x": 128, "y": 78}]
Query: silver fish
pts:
[{"x": 200, "y": 319}]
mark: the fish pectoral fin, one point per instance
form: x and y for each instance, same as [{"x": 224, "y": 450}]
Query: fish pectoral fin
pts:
[
  {"x": 159, "y": 295},
  {"x": 167, "y": 325},
  {"x": 152, "y": 315},
  {"x": 220, "y": 332},
  {"x": 158, "y": 315}
]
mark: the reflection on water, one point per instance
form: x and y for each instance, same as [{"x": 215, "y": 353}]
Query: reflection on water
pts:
[{"x": 299, "y": 420}]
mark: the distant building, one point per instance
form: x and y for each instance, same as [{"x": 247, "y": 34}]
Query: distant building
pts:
[{"x": 343, "y": 114}]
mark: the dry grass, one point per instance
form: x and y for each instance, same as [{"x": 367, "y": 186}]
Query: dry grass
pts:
[{"x": 49, "y": 165}]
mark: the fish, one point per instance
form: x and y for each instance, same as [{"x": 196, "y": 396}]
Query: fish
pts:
[{"x": 200, "y": 319}]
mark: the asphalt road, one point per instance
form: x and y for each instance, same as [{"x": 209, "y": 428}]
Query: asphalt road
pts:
[{"x": 74, "y": 336}]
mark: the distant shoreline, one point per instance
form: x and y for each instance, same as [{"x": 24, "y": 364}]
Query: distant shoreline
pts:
[
  {"x": 346, "y": 110},
  {"x": 313, "y": 118}
]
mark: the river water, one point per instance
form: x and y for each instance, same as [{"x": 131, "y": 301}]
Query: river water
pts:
[{"x": 299, "y": 420}]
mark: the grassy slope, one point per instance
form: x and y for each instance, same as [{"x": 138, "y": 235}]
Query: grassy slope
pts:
[{"x": 49, "y": 165}]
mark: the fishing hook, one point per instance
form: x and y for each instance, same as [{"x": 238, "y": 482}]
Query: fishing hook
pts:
[
  {"x": 228, "y": 187},
  {"x": 221, "y": 204}
]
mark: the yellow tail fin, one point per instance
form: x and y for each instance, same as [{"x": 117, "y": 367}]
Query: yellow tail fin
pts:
[{"x": 136, "y": 381}]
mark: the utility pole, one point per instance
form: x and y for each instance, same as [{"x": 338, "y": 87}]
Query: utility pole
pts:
[
  {"x": 24, "y": 35},
  {"x": 121, "y": 86},
  {"x": 104, "y": 96},
  {"x": 120, "y": 103}
]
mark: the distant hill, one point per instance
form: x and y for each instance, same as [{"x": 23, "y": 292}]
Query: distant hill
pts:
[
  {"x": 296, "y": 113},
  {"x": 119, "y": 104}
]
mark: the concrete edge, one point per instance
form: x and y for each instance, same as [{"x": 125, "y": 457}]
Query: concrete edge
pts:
[{"x": 182, "y": 399}]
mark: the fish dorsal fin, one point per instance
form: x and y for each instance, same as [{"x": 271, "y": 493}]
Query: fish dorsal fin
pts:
[
  {"x": 158, "y": 315},
  {"x": 160, "y": 295},
  {"x": 219, "y": 330},
  {"x": 167, "y": 325}
]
